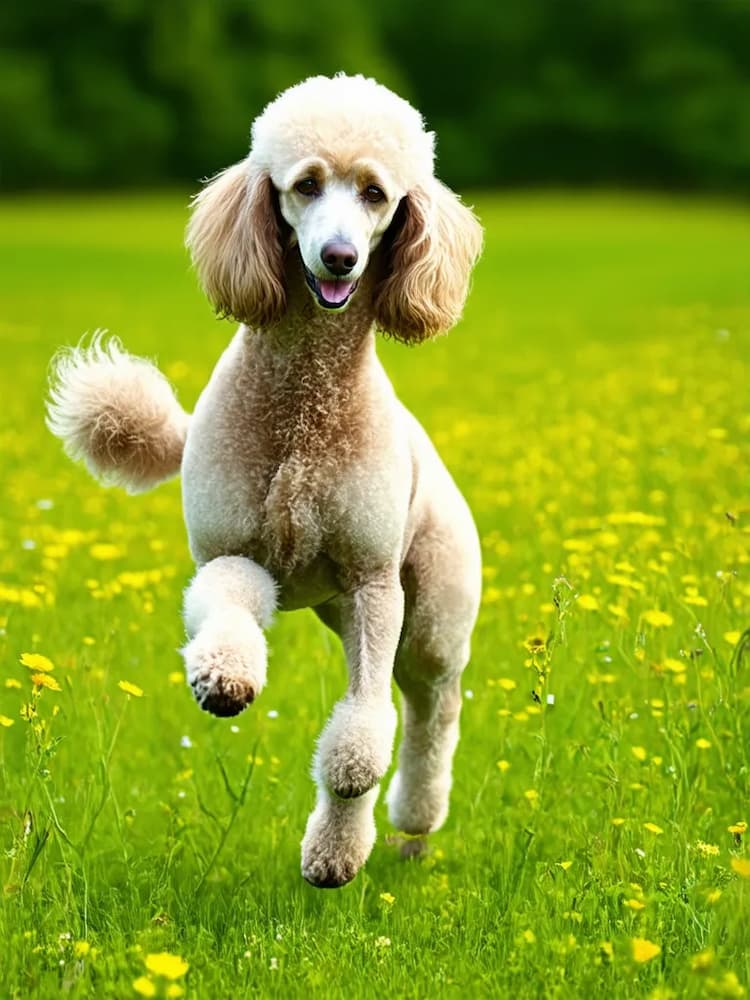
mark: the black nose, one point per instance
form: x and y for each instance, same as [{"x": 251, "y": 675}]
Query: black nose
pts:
[{"x": 339, "y": 257}]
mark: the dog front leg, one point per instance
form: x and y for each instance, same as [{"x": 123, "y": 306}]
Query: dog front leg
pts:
[
  {"x": 355, "y": 748},
  {"x": 228, "y": 603}
]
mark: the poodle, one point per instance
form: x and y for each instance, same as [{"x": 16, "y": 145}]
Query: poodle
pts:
[{"x": 306, "y": 482}]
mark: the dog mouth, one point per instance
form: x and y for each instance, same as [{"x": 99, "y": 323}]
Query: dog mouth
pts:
[{"x": 330, "y": 294}]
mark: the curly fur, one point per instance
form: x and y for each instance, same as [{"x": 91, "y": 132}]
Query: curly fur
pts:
[
  {"x": 117, "y": 413},
  {"x": 306, "y": 483}
]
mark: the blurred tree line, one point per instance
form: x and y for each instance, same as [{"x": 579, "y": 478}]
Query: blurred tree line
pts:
[{"x": 136, "y": 92}]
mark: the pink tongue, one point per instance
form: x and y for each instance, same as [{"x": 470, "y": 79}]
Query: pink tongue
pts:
[{"x": 335, "y": 291}]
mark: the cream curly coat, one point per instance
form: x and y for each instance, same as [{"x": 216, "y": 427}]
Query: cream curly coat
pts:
[{"x": 306, "y": 483}]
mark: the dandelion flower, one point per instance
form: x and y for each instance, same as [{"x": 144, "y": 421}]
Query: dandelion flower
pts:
[
  {"x": 617, "y": 821},
  {"x": 6, "y": 722},
  {"x": 12, "y": 683},
  {"x": 741, "y": 866},
  {"x": 653, "y": 828},
  {"x": 104, "y": 551},
  {"x": 503, "y": 765},
  {"x": 703, "y": 744},
  {"x": 640, "y": 753},
  {"x": 658, "y": 619},
  {"x": 174, "y": 990},
  {"x": 564, "y": 865},
  {"x": 388, "y": 898},
  {"x": 634, "y": 904},
  {"x": 37, "y": 662},
  {"x": 129, "y": 688},
  {"x": 81, "y": 949},
  {"x": 738, "y": 828},
  {"x": 703, "y": 960},
  {"x": 529, "y": 936},
  {"x": 45, "y": 681},
  {"x": 644, "y": 950},
  {"x": 166, "y": 965},
  {"x": 732, "y": 637},
  {"x": 707, "y": 850},
  {"x": 588, "y": 602},
  {"x": 144, "y": 986}
]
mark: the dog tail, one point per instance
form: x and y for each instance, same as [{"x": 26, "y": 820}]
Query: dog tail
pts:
[{"x": 117, "y": 413}]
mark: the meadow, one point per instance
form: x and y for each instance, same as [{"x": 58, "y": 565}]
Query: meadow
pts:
[{"x": 593, "y": 406}]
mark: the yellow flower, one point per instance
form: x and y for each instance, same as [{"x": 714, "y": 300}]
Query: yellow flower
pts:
[
  {"x": 531, "y": 794},
  {"x": 388, "y": 898},
  {"x": 564, "y": 865},
  {"x": 176, "y": 677},
  {"x": 45, "y": 681},
  {"x": 81, "y": 949},
  {"x": 174, "y": 990},
  {"x": 529, "y": 936},
  {"x": 732, "y": 637},
  {"x": 707, "y": 850},
  {"x": 144, "y": 986},
  {"x": 12, "y": 683},
  {"x": 653, "y": 828},
  {"x": 507, "y": 684},
  {"x": 588, "y": 602},
  {"x": 503, "y": 765},
  {"x": 703, "y": 744},
  {"x": 617, "y": 821},
  {"x": 635, "y": 904},
  {"x": 741, "y": 866},
  {"x": 166, "y": 965},
  {"x": 608, "y": 952},
  {"x": 713, "y": 896},
  {"x": 129, "y": 688},
  {"x": 6, "y": 722},
  {"x": 703, "y": 960},
  {"x": 658, "y": 619},
  {"x": 35, "y": 661},
  {"x": 105, "y": 551},
  {"x": 643, "y": 950},
  {"x": 738, "y": 828},
  {"x": 640, "y": 753}
]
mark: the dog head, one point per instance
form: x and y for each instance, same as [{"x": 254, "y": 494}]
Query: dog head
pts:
[{"x": 337, "y": 168}]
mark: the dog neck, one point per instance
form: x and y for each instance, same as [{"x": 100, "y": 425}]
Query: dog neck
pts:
[{"x": 312, "y": 369}]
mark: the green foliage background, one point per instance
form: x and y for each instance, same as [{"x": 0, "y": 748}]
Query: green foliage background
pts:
[{"x": 131, "y": 92}]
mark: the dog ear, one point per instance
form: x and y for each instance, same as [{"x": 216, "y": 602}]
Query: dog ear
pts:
[
  {"x": 235, "y": 240},
  {"x": 430, "y": 249}
]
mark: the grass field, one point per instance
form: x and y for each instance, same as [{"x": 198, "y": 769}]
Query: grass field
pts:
[{"x": 593, "y": 405}]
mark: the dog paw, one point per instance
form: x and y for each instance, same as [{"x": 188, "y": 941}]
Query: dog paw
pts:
[
  {"x": 337, "y": 842},
  {"x": 226, "y": 671},
  {"x": 355, "y": 748}
]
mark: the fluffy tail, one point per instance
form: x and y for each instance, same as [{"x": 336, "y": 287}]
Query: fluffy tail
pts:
[{"x": 117, "y": 413}]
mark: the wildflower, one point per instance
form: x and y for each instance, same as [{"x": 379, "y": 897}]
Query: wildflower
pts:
[
  {"x": 741, "y": 866},
  {"x": 129, "y": 688},
  {"x": 707, "y": 850},
  {"x": 529, "y": 936},
  {"x": 732, "y": 637},
  {"x": 81, "y": 949},
  {"x": 507, "y": 684},
  {"x": 532, "y": 795},
  {"x": 640, "y": 753},
  {"x": 703, "y": 744},
  {"x": 608, "y": 952},
  {"x": 713, "y": 896},
  {"x": 382, "y": 942},
  {"x": 166, "y": 965},
  {"x": 535, "y": 644},
  {"x": 738, "y": 828},
  {"x": 617, "y": 821},
  {"x": 588, "y": 602},
  {"x": 634, "y": 904},
  {"x": 503, "y": 765},
  {"x": 5, "y": 722},
  {"x": 12, "y": 683},
  {"x": 565, "y": 865},
  {"x": 45, "y": 681},
  {"x": 176, "y": 677},
  {"x": 703, "y": 960},
  {"x": 644, "y": 950},
  {"x": 144, "y": 986},
  {"x": 174, "y": 990},
  {"x": 653, "y": 828},
  {"x": 658, "y": 619},
  {"x": 388, "y": 898},
  {"x": 105, "y": 551},
  {"x": 35, "y": 661}
]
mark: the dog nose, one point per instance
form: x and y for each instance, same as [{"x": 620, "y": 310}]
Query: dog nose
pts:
[{"x": 339, "y": 257}]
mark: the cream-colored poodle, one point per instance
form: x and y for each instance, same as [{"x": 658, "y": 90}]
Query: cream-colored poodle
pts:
[{"x": 306, "y": 483}]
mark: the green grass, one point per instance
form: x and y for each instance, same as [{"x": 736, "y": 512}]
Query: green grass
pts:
[{"x": 593, "y": 407}]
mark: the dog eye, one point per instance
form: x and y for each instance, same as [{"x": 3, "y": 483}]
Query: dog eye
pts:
[
  {"x": 373, "y": 194},
  {"x": 308, "y": 187}
]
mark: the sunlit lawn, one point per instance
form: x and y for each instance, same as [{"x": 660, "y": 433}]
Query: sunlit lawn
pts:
[{"x": 593, "y": 405}]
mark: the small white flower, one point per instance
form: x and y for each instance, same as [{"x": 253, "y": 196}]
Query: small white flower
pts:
[
  {"x": 45, "y": 504},
  {"x": 641, "y": 853},
  {"x": 273, "y": 714},
  {"x": 274, "y": 964},
  {"x": 28, "y": 544},
  {"x": 550, "y": 699},
  {"x": 468, "y": 694},
  {"x": 234, "y": 729},
  {"x": 186, "y": 742}
]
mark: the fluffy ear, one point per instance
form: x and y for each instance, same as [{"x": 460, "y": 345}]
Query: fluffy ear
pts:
[
  {"x": 434, "y": 244},
  {"x": 234, "y": 237}
]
